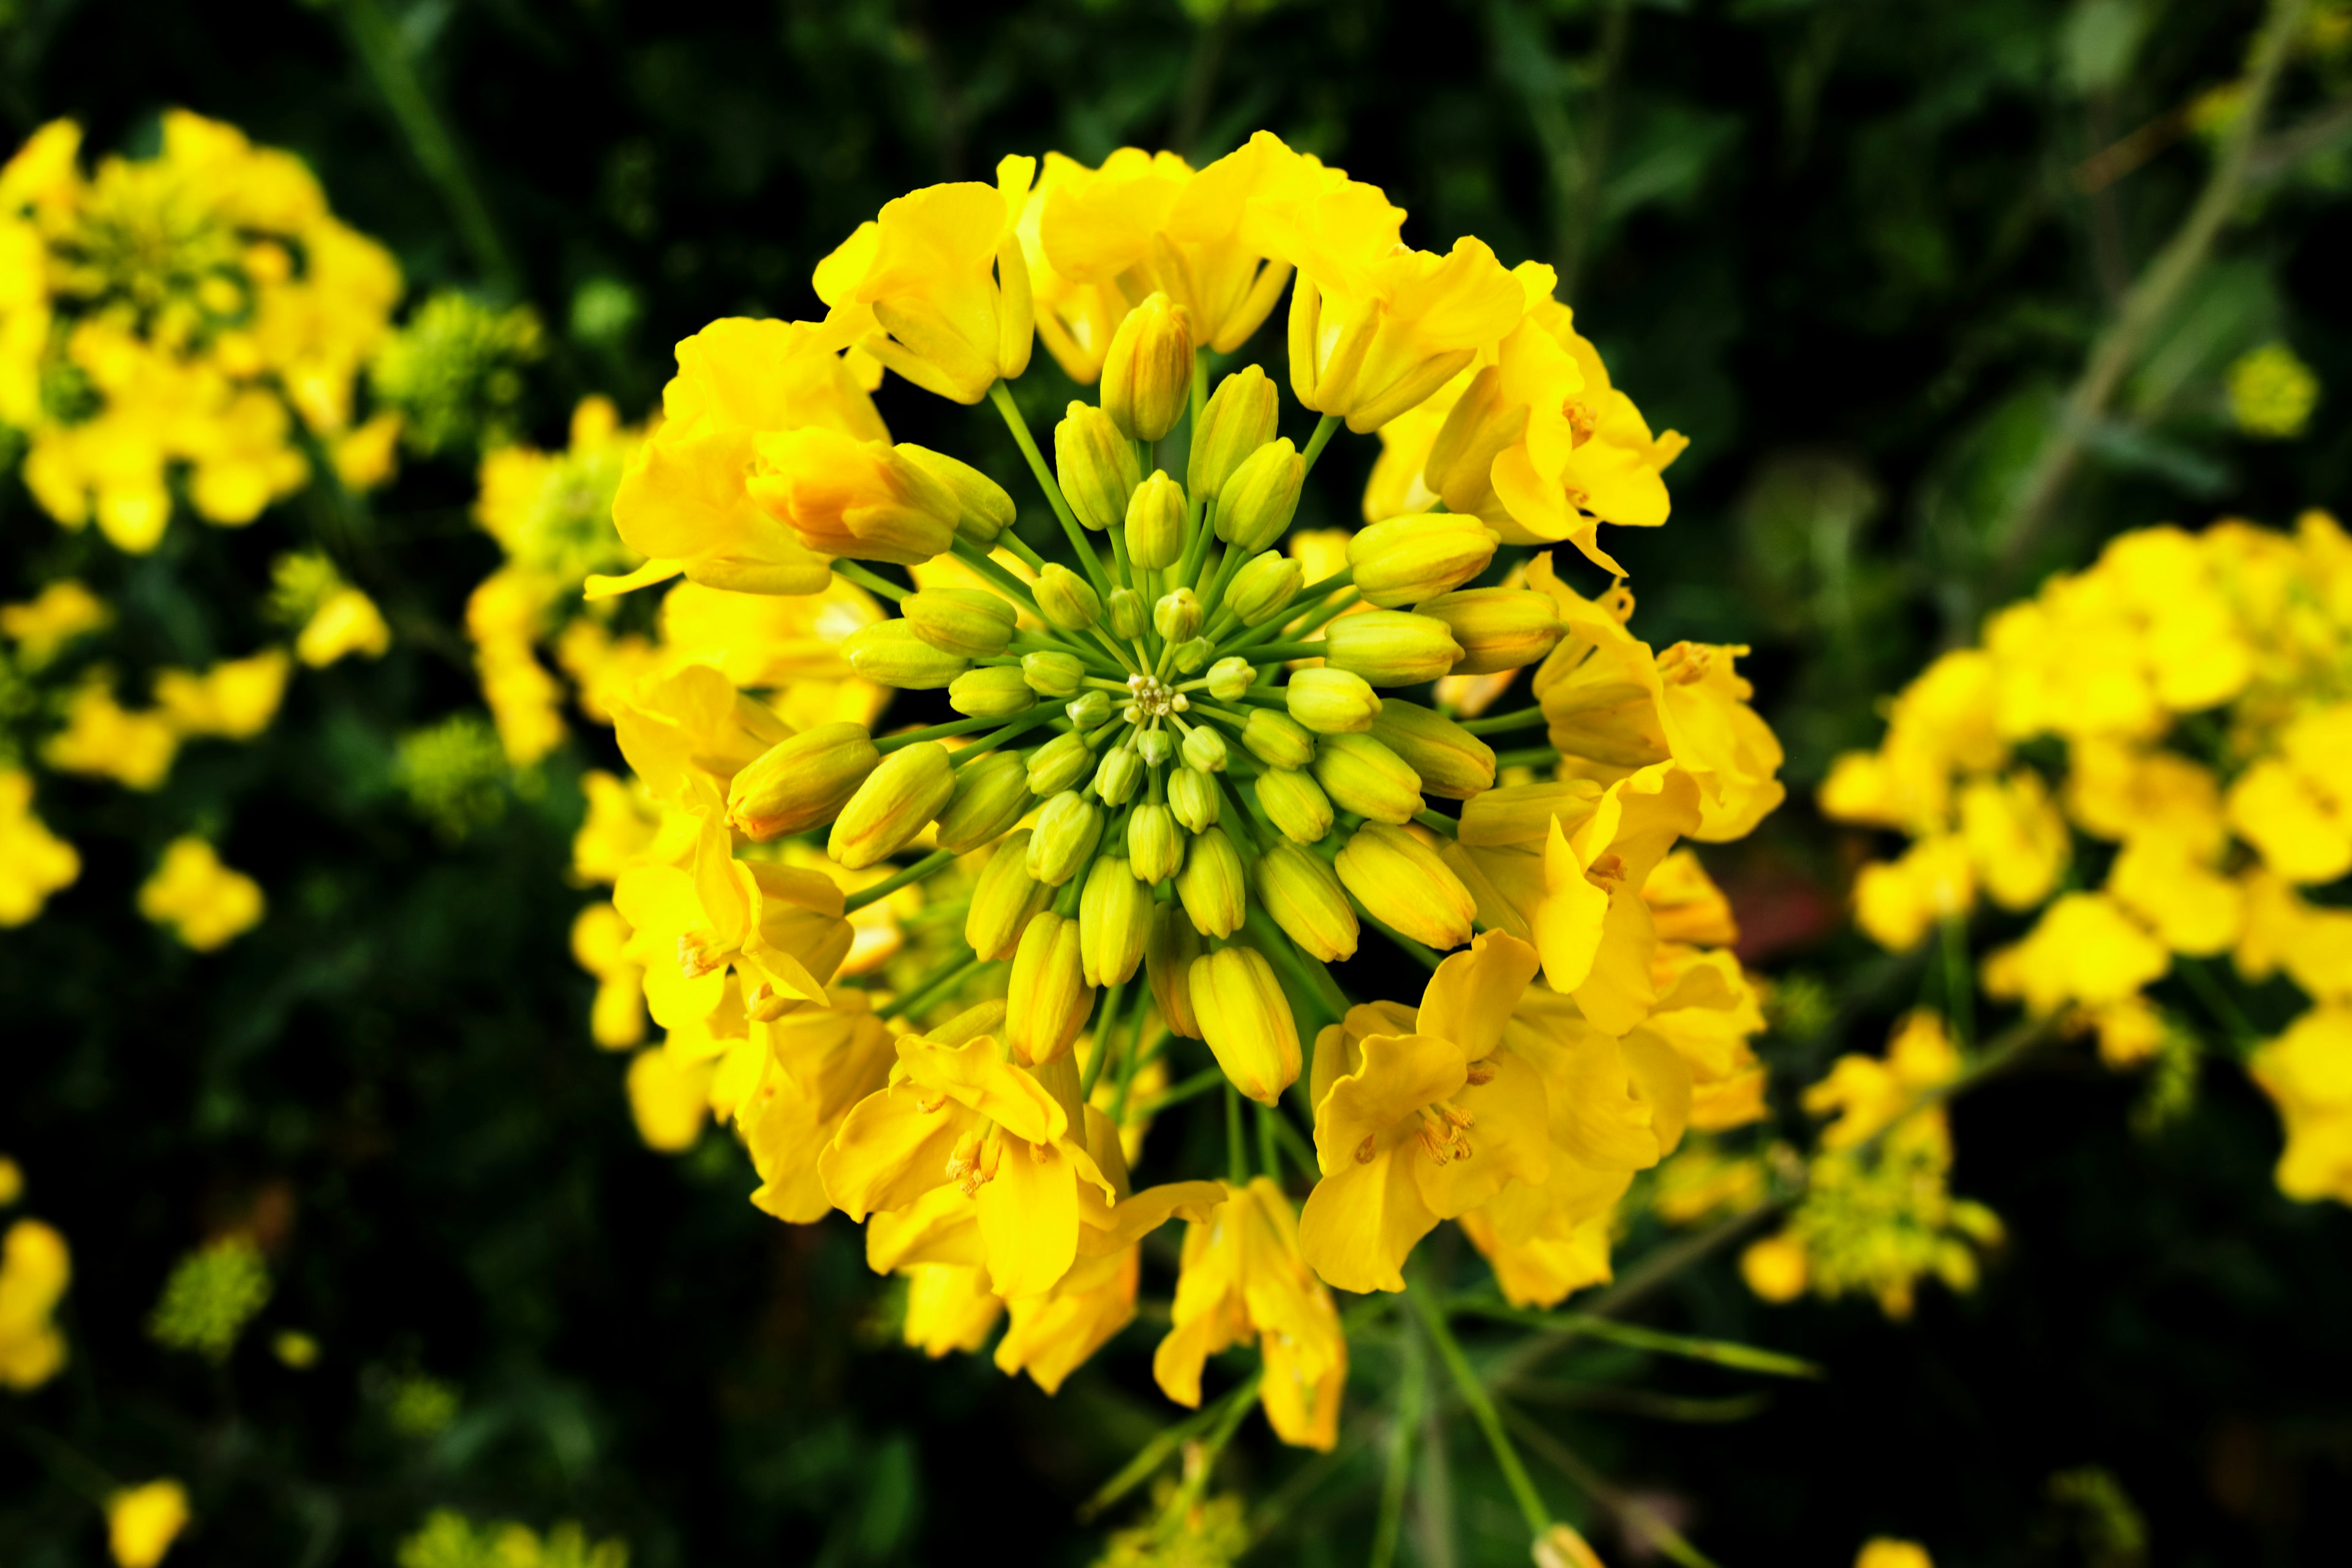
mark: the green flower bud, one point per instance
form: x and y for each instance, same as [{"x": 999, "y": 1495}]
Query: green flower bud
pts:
[
  {"x": 1402, "y": 884},
  {"x": 796, "y": 784},
  {"x": 1391, "y": 647},
  {"x": 1246, "y": 1020},
  {"x": 1048, "y": 1000},
  {"x": 983, "y": 510},
  {"x": 889, "y": 653},
  {"x": 1264, "y": 589},
  {"x": 1293, "y": 803},
  {"x": 1210, "y": 885},
  {"x": 959, "y": 620},
  {"x": 1003, "y": 898},
  {"x": 1114, "y": 923},
  {"x": 1155, "y": 522},
  {"x": 996, "y": 692},
  {"x": 1155, "y": 849},
  {"x": 1146, "y": 372},
  {"x": 1363, "y": 776},
  {"x": 1177, "y": 616},
  {"x": 1305, "y": 900},
  {"x": 897, "y": 800},
  {"x": 1194, "y": 797},
  {"x": 1332, "y": 701},
  {"x": 1257, "y": 502},
  {"x": 1059, "y": 764},
  {"x": 1498, "y": 628},
  {"x": 1053, "y": 673},
  {"x": 1065, "y": 599},
  {"x": 991, "y": 793},
  {"x": 1069, "y": 825},
  {"x": 1090, "y": 709},
  {"x": 1205, "y": 749},
  {"x": 1238, "y": 419},
  {"x": 1409, "y": 559},
  {"x": 1116, "y": 778},
  {"x": 1168, "y": 957},
  {"x": 1277, "y": 740},
  {"x": 1155, "y": 747},
  {"x": 1125, "y": 608},
  {"x": 1190, "y": 654},
  {"x": 1095, "y": 464},
  {"x": 1452, "y": 762},
  {"x": 1229, "y": 678}
]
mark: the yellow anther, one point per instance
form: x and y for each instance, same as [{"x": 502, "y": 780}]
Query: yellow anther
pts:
[
  {"x": 1605, "y": 872},
  {"x": 1481, "y": 1072},
  {"x": 1367, "y": 1149},
  {"x": 698, "y": 954}
]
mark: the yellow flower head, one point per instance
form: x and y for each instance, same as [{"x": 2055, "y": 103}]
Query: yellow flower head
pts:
[
  {"x": 142, "y": 1521},
  {"x": 34, "y": 861},
  {"x": 205, "y": 902},
  {"x": 45, "y": 624},
  {"x": 35, "y": 1266}
]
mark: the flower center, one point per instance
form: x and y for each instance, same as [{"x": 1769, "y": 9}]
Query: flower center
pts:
[
  {"x": 1443, "y": 1132},
  {"x": 1149, "y": 697},
  {"x": 1605, "y": 872},
  {"x": 698, "y": 953}
]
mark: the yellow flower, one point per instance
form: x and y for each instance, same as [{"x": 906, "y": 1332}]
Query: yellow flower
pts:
[
  {"x": 2084, "y": 949},
  {"x": 205, "y": 902},
  {"x": 34, "y": 862},
  {"x": 1867, "y": 1094},
  {"x": 1897, "y": 902},
  {"x": 2191, "y": 907},
  {"x": 345, "y": 623},
  {"x": 42, "y": 626},
  {"x": 2272, "y": 392},
  {"x": 1775, "y": 1268},
  {"x": 622, "y": 828},
  {"x": 103, "y": 738},
  {"x": 2116, "y": 790},
  {"x": 2297, "y": 807},
  {"x": 599, "y": 944},
  {"x": 1885, "y": 1552},
  {"x": 687, "y": 733},
  {"x": 949, "y": 1308},
  {"x": 35, "y": 1268},
  {"x": 815, "y": 1065},
  {"x": 669, "y": 1100},
  {"x": 2281, "y": 932},
  {"x": 235, "y": 699},
  {"x": 2307, "y": 1073},
  {"x": 2016, "y": 840},
  {"x": 142, "y": 1521},
  {"x": 843, "y": 496}
]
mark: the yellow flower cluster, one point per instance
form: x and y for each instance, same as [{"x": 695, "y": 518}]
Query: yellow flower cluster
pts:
[
  {"x": 1184, "y": 778},
  {"x": 2198, "y": 688},
  {"x": 200, "y": 312},
  {"x": 142, "y": 1521},
  {"x": 35, "y": 1266},
  {"x": 206, "y": 902},
  {"x": 449, "y": 1540}
]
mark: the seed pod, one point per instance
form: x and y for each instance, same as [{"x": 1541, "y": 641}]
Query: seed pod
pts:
[
  {"x": 1238, "y": 419},
  {"x": 1125, "y": 609},
  {"x": 1332, "y": 701},
  {"x": 1069, "y": 825},
  {"x": 1498, "y": 628},
  {"x": 1090, "y": 710},
  {"x": 1177, "y": 616},
  {"x": 1363, "y": 776},
  {"x": 897, "y": 800},
  {"x": 1003, "y": 898},
  {"x": 890, "y": 653},
  {"x": 1095, "y": 464},
  {"x": 1114, "y": 923},
  {"x": 1155, "y": 522},
  {"x": 1409, "y": 559},
  {"x": 1293, "y": 803},
  {"x": 1391, "y": 648},
  {"x": 1059, "y": 764},
  {"x": 794, "y": 785},
  {"x": 1146, "y": 372},
  {"x": 1193, "y": 797},
  {"x": 1403, "y": 885},
  {"x": 964, "y": 621},
  {"x": 1246, "y": 1021},
  {"x": 996, "y": 692},
  {"x": 1210, "y": 885},
  {"x": 1048, "y": 1000},
  {"x": 1277, "y": 740},
  {"x": 1155, "y": 849},
  {"x": 1454, "y": 763},
  {"x": 1259, "y": 499},
  {"x": 1264, "y": 589},
  {"x": 1167, "y": 958},
  {"x": 1204, "y": 750},
  {"x": 991, "y": 793},
  {"x": 1067, "y": 600},
  {"x": 1229, "y": 678},
  {"x": 1305, "y": 900},
  {"x": 1117, "y": 775},
  {"x": 1053, "y": 673},
  {"x": 983, "y": 510}
]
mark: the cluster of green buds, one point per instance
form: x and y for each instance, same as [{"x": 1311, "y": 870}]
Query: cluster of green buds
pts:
[{"x": 1195, "y": 763}]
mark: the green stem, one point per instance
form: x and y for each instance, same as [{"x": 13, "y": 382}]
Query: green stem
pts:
[
  {"x": 1641, "y": 1522},
  {"x": 931, "y": 988},
  {"x": 1324, "y": 430},
  {"x": 890, "y": 885},
  {"x": 1345, "y": 577},
  {"x": 1236, "y": 1158},
  {"x": 1313, "y": 980},
  {"x": 1269, "y": 1158},
  {"x": 1526, "y": 718},
  {"x": 1106, "y": 1038},
  {"x": 1482, "y": 1409},
  {"x": 1280, "y": 650},
  {"x": 1959, "y": 984},
  {"x": 1020, "y": 547},
  {"x": 1633, "y": 1336},
  {"x": 1429, "y": 958},
  {"x": 871, "y": 581},
  {"x": 973, "y": 556},
  {"x": 1412, "y": 1396},
  {"x": 1438, "y": 823},
  {"x": 888, "y": 743},
  {"x": 2216, "y": 1000},
  {"x": 1526, "y": 757},
  {"x": 1041, "y": 714},
  {"x": 1046, "y": 482}
]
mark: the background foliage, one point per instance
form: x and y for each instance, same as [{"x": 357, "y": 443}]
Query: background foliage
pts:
[{"x": 1853, "y": 249}]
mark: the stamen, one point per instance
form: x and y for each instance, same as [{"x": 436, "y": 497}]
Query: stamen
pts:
[
  {"x": 696, "y": 954},
  {"x": 1481, "y": 1072},
  {"x": 1367, "y": 1149},
  {"x": 1605, "y": 872}
]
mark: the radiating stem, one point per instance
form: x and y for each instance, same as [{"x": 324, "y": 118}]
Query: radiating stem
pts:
[
  {"x": 1482, "y": 1409},
  {"x": 887, "y": 743},
  {"x": 931, "y": 987},
  {"x": 1046, "y": 482},
  {"x": 852, "y": 572},
  {"x": 890, "y": 885},
  {"x": 1324, "y": 430},
  {"x": 1525, "y": 718},
  {"x": 1412, "y": 1393},
  {"x": 1106, "y": 1036},
  {"x": 1236, "y": 1158}
]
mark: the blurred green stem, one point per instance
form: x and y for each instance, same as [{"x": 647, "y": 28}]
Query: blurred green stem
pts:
[
  {"x": 1642, "y": 1523},
  {"x": 1014, "y": 422},
  {"x": 890, "y": 885},
  {"x": 1424, "y": 1301},
  {"x": 1412, "y": 1394}
]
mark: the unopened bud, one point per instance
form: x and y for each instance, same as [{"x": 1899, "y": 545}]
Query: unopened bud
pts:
[
  {"x": 1363, "y": 776},
  {"x": 991, "y": 793},
  {"x": 1229, "y": 678},
  {"x": 1409, "y": 559},
  {"x": 1305, "y": 900},
  {"x": 1146, "y": 372},
  {"x": 1246, "y": 1021},
  {"x": 890, "y": 653},
  {"x": 1258, "y": 501},
  {"x": 983, "y": 510},
  {"x": 1264, "y": 589},
  {"x": 1177, "y": 616},
  {"x": 1053, "y": 673},
  {"x": 794, "y": 785},
  {"x": 1498, "y": 628},
  {"x": 1155, "y": 747},
  {"x": 1095, "y": 464},
  {"x": 1117, "y": 775},
  {"x": 1193, "y": 797},
  {"x": 1332, "y": 701},
  {"x": 897, "y": 800},
  {"x": 1167, "y": 958},
  {"x": 1114, "y": 923},
  {"x": 1391, "y": 648},
  {"x": 1003, "y": 898},
  {"x": 1402, "y": 884},
  {"x": 1562, "y": 1547},
  {"x": 1069, "y": 825},
  {"x": 1090, "y": 710},
  {"x": 1190, "y": 654},
  {"x": 1048, "y": 1000},
  {"x": 964, "y": 621},
  {"x": 1277, "y": 740},
  {"x": 1238, "y": 419},
  {"x": 1210, "y": 885},
  {"x": 1155, "y": 522},
  {"x": 1065, "y": 599},
  {"x": 1155, "y": 849},
  {"x": 1293, "y": 803},
  {"x": 996, "y": 692},
  {"x": 1454, "y": 763},
  {"x": 1204, "y": 750},
  {"x": 1059, "y": 764},
  {"x": 1125, "y": 612}
]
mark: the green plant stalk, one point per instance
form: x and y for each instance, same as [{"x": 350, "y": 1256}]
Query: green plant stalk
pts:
[
  {"x": 888, "y": 743},
  {"x": 871, "y": 581},
  {"x": 1046, "y": 482},
  {"x": 1325, "y": 429},
  {"x": 1639, "y": 1517},
  {"x": 1525, "y": 718},
  {"x": 1633, "y": 1336},
  {"x": 890, "y": 885},
  {"x": 1482, "y": 1410},
  {"x": 1236, "y": 1150},
  {"x": 1106, "y": 1040},
  {"x": 1412, "y": 1396},
  {"x": 932, "y": 986}
]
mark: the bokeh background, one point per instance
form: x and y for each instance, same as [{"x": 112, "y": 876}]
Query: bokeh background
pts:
[{"x": 1857, "y": 251}]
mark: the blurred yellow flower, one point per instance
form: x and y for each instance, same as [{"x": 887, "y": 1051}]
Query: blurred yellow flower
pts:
[
  {"x": 142, "y": 1521},
  {"x": 205, "y": 902},
  {"x": 34, "y": 861},
  {"x": 235, "y": 700},
  {"x": 2272, "y": 392},
  {"x": 42, "y": 626},
  {"x": 35, "y": 1266},
  {"x": 103, "y": 738},
  {"x": 2307, "y": 1073}
]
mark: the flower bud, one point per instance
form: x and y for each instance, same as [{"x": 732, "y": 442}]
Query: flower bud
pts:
[
  {"x": 1177, "y": 616},
  {"x": 1003, "y": 898},
  {"x": 1155, "y": 747},
  {"x": 1498, "y": 628},
  {"x": 1408, "y": 559},
  {"x": 983, "y": 510},
  {"x": 1168, "y": 958},
  {"x": 1452, "y": 762},
  {"x": 841, "y": 496},
  {"x": 1059, "y": 764},
  {"x": 1125, "y": 609},
  {"x": 996, "y": 692},
  {"x": 1155, "y": 522},
  {"x": 1146, "y": 372},
  {"x": 1095, "y": 464},
  {"x": 991, "y": 793},
  {"x": 1114, "y": 923},
  {"x": 1155, "y": 849},
  {"x": 1190, "y": 654},
  {"x": 1363, "y": 776},
  {"x": 964, "y": 621},
  {"x": 1229, "y": 678},
  {"x": 1305, "y": 900},
  {"x": 797, "y": 783},
  {"x": 889, "y": 653},
  {"x": 1069, "y": 825},
  {"x": 1293, "y": 803},
  {"x": 1332, "y": 701},
  {"x": 1116, "y": 778},
  {"x": 1053, "y": 673},
  {"x": 1204, "y": 750},
  {"x": 1090, "y": 709},
  {"x": 1264, "y": 589},
  {"x": 1403, "y": 885},
  {"x": 1238, "y": 419},
  {"x": 897, "y": 800},
  {"x": 1065, "y": 599},
  {"x": 1277, "y": 740},
  {"x": 1192, "y": 795},
  {"x": 1210, "y": 885},
  {"x": 1257, "y": 502},
  {"x": 1391, "y": 648},
  {"x": 1048, "y": 1000},
  {"x": 1562, "y": 1547},
  {"x": 1246, "y": 1020}
]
